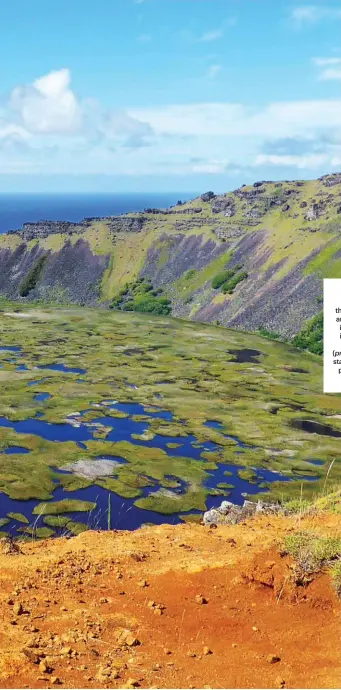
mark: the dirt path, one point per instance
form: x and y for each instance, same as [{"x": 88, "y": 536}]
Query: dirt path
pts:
[{"x": 124, "y": 609}]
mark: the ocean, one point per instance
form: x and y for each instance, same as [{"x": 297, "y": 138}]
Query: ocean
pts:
[{"x": 16, "y": 209}]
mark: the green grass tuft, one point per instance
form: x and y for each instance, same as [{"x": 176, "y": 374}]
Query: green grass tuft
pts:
[{"x": 312, "y": 552}]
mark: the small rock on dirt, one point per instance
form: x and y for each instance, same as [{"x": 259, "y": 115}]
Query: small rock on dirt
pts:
[
  {"x": 43, "y": 667},
  {"x": 34, "y": 658},
  {"x": 18, "y": 609},
  {"x": 273, "y": 658}
]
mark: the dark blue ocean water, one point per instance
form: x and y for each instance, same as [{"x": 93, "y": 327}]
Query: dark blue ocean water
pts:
[{"x": 16, "y": 209}]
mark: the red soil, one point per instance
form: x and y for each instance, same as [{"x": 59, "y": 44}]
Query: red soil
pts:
[{"x": 78, "y": 596}]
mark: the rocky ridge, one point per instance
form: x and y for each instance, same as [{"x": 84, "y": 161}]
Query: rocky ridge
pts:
[{"x": 286, "y": 235}]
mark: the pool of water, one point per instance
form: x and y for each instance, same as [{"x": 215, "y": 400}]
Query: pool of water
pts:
[
  {"x": 124, "y": 514},
  {"x": 76, "y": 428},
  {"x": 47, "y": 430},
  {"x": 10, "y": 348},
  {"x": 62, "y": 367},
  {"x": 245, "y": 355},
  {"x": 312, "y": 427},
  {"x": 36, "y": 382},
  {"x": 15, "y": 450},
  {"x": 41, "y": 397}
]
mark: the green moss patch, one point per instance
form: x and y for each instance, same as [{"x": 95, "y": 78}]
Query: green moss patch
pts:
[
  {"x": 19, "y": 517},
  {"x": 76, "y": 527},
  {"x": 37, "y": 532},
  {"x": 4, "y": 521},
  {"x": 64, "y": 506},
  {"x": 56, "y": 520}
]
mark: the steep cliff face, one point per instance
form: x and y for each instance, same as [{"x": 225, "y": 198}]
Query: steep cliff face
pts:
[
  {"x": 274, "y": 241},
  {"x": 71, "y": 275}
]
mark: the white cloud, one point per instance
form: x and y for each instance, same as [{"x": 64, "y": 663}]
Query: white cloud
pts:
[
  {"x": 329, "y": 68},
  {"x": 326, "y": 62},
  {"x": 280, "y": 119},
  {"x": 331, "y": 74},
  {"x": 213, "y": 71},
  {"x": 48, "y": 106},
  {"x": 14, "y": 132},
  {"x": 211, "y": 36},
  {"x": 309, "y": 161},
  {"x": 310, "y": 14},
  {"x": 213, "y": 167},
  {"x": 46, "y": 128},
  {"x": 123, "y": 128}
]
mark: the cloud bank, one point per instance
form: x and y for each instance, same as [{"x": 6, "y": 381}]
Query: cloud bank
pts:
[{"x": 46, "y": 128}]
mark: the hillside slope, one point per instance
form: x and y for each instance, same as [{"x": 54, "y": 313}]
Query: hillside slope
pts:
[
  {"x": 273, "y": 242},
  {"x": 166, "y": 607}
]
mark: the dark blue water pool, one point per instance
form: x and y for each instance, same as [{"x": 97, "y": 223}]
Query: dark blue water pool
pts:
[
  {"x": 10, "y": 348},
  {"x": 36, "y": 382},
  {"x": 40, "y": 397},
  {"x": 62, "y": 367},
  {"x": 13, "y": 450},
  {"x": 124, "y": 514}
]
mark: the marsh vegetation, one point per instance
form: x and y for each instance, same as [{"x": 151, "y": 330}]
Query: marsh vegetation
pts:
[{"x": 171, "y": 417}]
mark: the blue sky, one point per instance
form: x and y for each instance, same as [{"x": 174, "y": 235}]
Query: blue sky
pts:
[{"x": 167, "y": 95}]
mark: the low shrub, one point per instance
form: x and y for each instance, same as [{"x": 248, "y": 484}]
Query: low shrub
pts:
[
  {"x": 153, "y": 305},
  {"x": 32, "y": 277},
  {"x": 272, "y": 335},
  {"x": 230, "y": 285},
  {"x": 142, "y": 297},
  {"x": 190, "y": 274},
  {"x": 222, "y": 277},
  {"x": 311, "y": 336},
  {"x": 311, "y": 551}
]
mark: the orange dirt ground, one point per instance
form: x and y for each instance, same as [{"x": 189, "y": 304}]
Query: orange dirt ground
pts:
[{"x": 120, "y": 609}]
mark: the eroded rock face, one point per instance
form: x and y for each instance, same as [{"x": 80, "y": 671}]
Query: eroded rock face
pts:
[
  {"x": 183, "y": 253},
  {"x": 71, "y": 275}
]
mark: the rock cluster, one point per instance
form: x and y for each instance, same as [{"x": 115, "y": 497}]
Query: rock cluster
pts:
[
  {"x": 331, "y": 180},
  {"x": 44, "y": 228},
  {"x": 230, "y": 514},
  {"x": 208, "y": 196},
  {"x": 171, "y": 211},
  {"x": 315, "y": 211}
]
